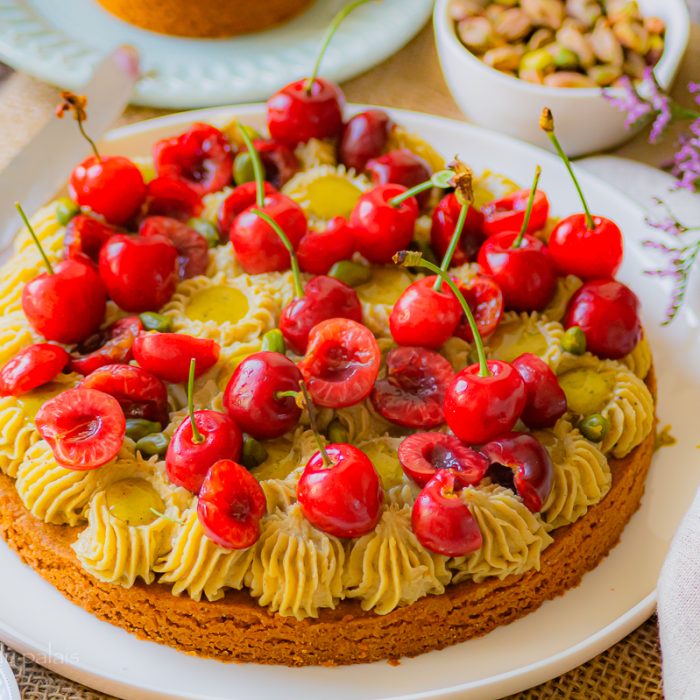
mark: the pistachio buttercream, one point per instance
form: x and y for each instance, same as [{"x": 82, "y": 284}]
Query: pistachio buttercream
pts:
[
  {"x": 378, "y": 296},
  {"x": 382, "y": 453},
  {"x": 640, "y": 359},
  {"x": 315, "y": 152},
  {"x": 565, "y": 289},
  {"x": 401, "y": 138}
]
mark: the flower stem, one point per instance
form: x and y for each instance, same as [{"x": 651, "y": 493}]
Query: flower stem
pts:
[
  {"x": 528, "y": 211},
  {"x": 412, "y": 258},
  {"x": 314, "y": 427},
  {"x": 258, "y": 170},
  {"x": 47, "y": 262},
  {"x": 197, "y": 438},
  {"x": 296, "y": 272},
  {"x": 454, "y": 242}
]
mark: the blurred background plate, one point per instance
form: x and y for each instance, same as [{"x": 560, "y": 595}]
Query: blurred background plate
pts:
[
  {"x": 8, "y": 685},
  {"x": 61, "y": 42}
]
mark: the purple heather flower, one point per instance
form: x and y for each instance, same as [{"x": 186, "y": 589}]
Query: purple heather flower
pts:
[
  {"x": 661, "y": 104},
  {"x": 686, "y": 161},
  {"x": 629, "y": 102}
]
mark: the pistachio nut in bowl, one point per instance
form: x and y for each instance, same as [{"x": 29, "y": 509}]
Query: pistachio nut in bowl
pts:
[{"x": 504, "y": 60}]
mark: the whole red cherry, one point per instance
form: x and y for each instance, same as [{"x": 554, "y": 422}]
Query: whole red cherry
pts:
[
  {"x": 364, "y": 136},
  {"x": 140, "y": 272},
  {"x": 344, "y": 496},
  {"x": 508, "y": 213},
  {"x": 401, "y": 167},
  {"x": 32, "y": 367},
  {"x": 485, "y": 300},
  {"x": 238, "y": 201},
  {"x": 111, "y": 186},
  {"x": 68, "y": 304},
  {"x": 107, "y": 347},
  {"x": 252, "y": 395},
  {"x": 85, "y": 235},
  {"x": 443, "y": 225},
  {"x": 230, "y": 506},
  {"x": 173, "y": 197},
  {"x": 319, "y": 250},
  {"x": 546, "y": 401},
  {"x": 192, "y": 247},
  {"x": 608, "y": 313},
  {"x": 168, "y": 355},
  {"x": 442, "y": 522}
]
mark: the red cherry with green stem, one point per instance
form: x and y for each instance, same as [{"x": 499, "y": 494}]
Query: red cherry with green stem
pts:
[
  {"x": 139, "y": 393},
  {"x": 584, "y": 245},
  {"x": 258, "y": 397},
  {"x": 173, "y": 197},
  {"x": 200, "y": 440},
  {"x": 107, "y": 347},
  {"x": 319, "y": 250},
  {"x": 519, "y": 461},
  {"x": 608, "y": 313},
  {"x": 84, "y": 428},
  {"x": 483, "y": 400},
  {"x": 423, "y": 455},
  {"x": 192, "y": 247},
  {"x": 412, "y": 393},
  {"x": 168, "y": 355},
  {"x": 231, "y": 505},
  {"x": 67, "y": 303},
  {"x": 364, "y": 137},
  {"x": 444, "y": 222},
  {"x": 85, "y": 235},
  {"x": 508, "y": 213},
  {"x": 485, "y": 299},
  {"x": 401, "y": 167},
  {"x": 32, "y": 367},
  {"x": 239, "y": 200},
  {"x": 546, "y": 401},
  {"x": 441, "y": 521}
]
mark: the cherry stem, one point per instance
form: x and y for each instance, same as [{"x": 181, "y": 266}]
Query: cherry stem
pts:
[
  {"x": 89, "y": 140},
  {"x": 412, "y": 258},
  {"x": 197, "y": 438},
  {"x": 453, "y": 245},
  {"x": 528, "y": 211},
  {"x": 547, "y": 125},
  {"x": 330, "y": 33},
  {"x": 296, "y": 272},
  {"x": 157, "y": 513},
  {"x": 47, "y": 262},
  {"x": 286, "y": 394},
  {"x": 258, "y": 170},
  {"x": 314, "y": 427}
]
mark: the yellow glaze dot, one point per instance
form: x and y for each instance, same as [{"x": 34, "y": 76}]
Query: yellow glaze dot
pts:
[
  {"x": 32, "y": 401},
  {"x": 133, "y": 501},
  {"x": 331, "y": 196},
  {"x": 511, "y": 340},
  {"x": 385, "y": 287},
  {"x": 586, "y": 390},
  {"x": 218, "y": 304},
  {"x": 385, "y": 462}
]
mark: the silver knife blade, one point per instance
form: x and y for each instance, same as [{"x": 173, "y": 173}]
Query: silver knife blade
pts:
[{"x": 37, "y": 172}]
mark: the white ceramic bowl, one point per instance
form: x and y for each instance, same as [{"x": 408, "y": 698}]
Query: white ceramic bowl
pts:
[{"x": 586, "y": 123}]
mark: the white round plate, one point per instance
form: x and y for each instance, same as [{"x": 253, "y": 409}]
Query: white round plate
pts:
[
  {"x": 612, "y": 600},
  {"x": 61, "y": 42},
  {"x": 8, "y": 684}
]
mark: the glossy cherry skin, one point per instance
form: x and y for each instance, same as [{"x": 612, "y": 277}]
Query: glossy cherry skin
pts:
[
  {"x": 230, "y": 506},
  {"x": 201, "y": 156},
  {"x": 237, "y": 202},
  {"x": 594, "y": 254},
  {"x": 251, "y": 396},
  {"x": 107, "y": 347},
  {"x": 258, "y": 248},
  {"x": 442, "y": 522},
  {"x": 508, "y": 213},
  {"x": 111, "y": 186},
  {"x": 188, "y": 462},
  {"x": 324, "y": 297},
  {"x": 84, "y": 428},
  {"x": 424, "y": 317},
  {"x": 32, "y": 367},
  {"x": 295, "y": 114},
  {"x": 69, "y": 305},
  {"x": 525, "y": 275},
  {"x": 85, "y": 235},
  {"x": 413, "y": 391},
  {"x": 345, "y": 498},
  {"x": 546, "y": 400},
  {"x": 402, "y": 167},
  {"x": 318, "y": 251},
  {"x": 380, "y": 229},
  {"x": 478, "y": 409},
  {"x": 192, "y": 247},
  {"x": 443, "y": 226},
  {"x": 423, "y": 455},
  {"x": 608, "y": 313},
  {"x": 173, "y": 197},
  {"x": 364, "y": 136},
  {"x": 168, "y": 355},
  {"x": 278, "y": 160},
  {"x": 531, "y": 464},
  {"x": 139, "y": 393},
  {"x": 341, "y": 363},
  {"x": 485, "y": 300}
]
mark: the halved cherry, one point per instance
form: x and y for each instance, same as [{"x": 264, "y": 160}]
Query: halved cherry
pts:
[
  {"x": 139, "y": 393},
  {"x": 319, "y": 250},
  {"x": 84, "y": 428},
  {"x": 168, "y": 355},
  {"x": 201, "y": 156},
  {"x": 173, "y": 197},
  {"x": 508, "y": 213},
  {"x": 444, "y": 222},
  {"x": 442, "y": 522},
  {"x": 341, "y": 363},
  {"x": 230, "y": 506},
  {"x": 519, "y": 461},
  {"x": 413, "y": 392},
  {"x": 238, "y": 201},
  {"x": 107, "y": 347},
  {"x": 32, "y": 367},
  {"x": 485, "y": 299},
  {"x": 278, "y": 159},
  {"x": 192, "y": 247},
  {"x": 423, "y": 455},
  {"x": 546, "y": 400},
  {"x": 402, "y": 167},
  {"x": 86, "y": 235}
]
